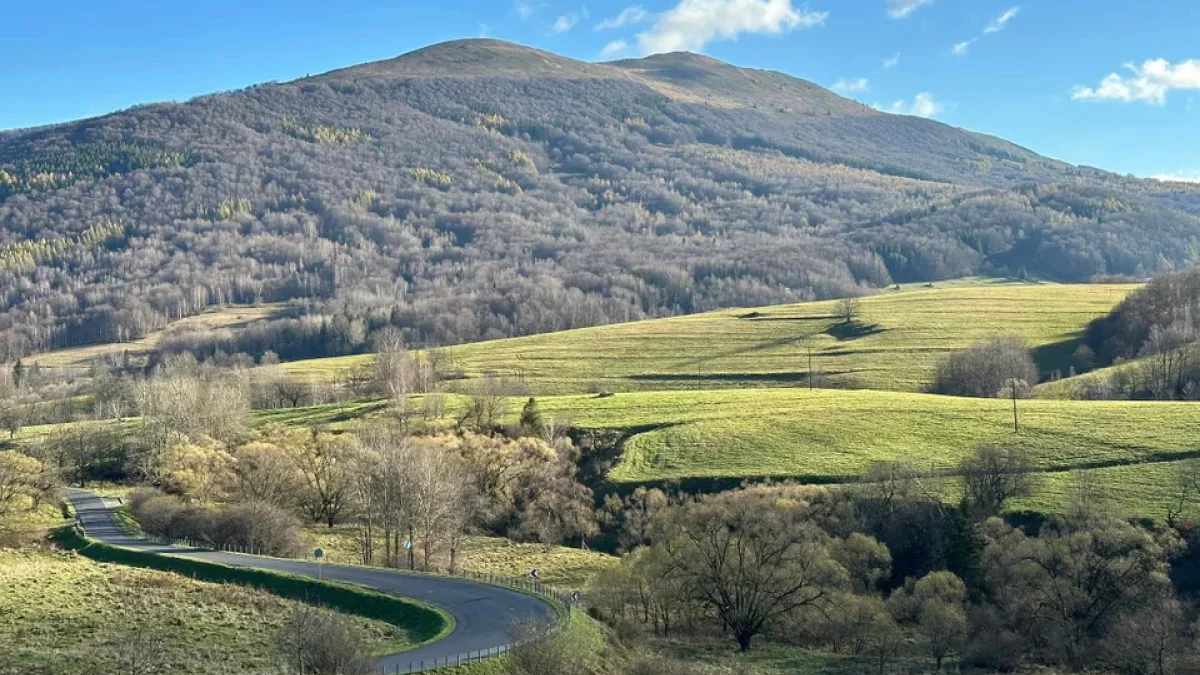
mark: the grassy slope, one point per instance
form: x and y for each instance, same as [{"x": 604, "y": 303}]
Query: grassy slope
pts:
[
  {"x": 583, "y": 637},
  {"x": 1063, "y": 388},
  {"x": 830, "y": 434},
  {"x": 222, "y": 317},
  {"x": 22, "y": 525},
  {"x": 64, "y": 613},
  {"x": 559, "y": 566},
  {"x": 419, "y": 622},
  {"x": 893, "y": 346}
]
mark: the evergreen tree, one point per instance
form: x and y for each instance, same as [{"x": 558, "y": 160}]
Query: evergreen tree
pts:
[{"x": 531, "y": 419}]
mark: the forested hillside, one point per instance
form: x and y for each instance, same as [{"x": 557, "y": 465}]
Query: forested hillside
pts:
[{"x": 479, "y": 189}]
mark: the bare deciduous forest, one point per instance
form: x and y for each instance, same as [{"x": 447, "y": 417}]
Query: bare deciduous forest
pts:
[{"x": 478, "y": 189}]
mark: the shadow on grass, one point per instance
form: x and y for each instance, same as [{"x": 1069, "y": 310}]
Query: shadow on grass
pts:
[
  {"x": 766, "y": 378},
  {"x": 1056, "y": 356},
  {"x": 853, "y": 330}
]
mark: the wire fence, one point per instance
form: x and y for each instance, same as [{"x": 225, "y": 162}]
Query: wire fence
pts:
[{"x": 568, "y": 599}]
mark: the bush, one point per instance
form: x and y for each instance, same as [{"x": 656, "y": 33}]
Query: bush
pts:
[
  {"x": 194, "y": 522},
  {"x": 983, "y": 369},
  {"x": 314, "y": 642},
  {"x": 156, "y": 513},
  {"x": 537, "y": 654},
  {"x": 138, "y": 498},
  {"x": 260, "y": 526}
]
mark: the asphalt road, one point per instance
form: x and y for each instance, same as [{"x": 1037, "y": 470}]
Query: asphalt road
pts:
[{"x": 483, "y": 613}]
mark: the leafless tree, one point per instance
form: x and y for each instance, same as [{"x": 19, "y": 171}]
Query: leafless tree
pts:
[
  {"x": 749, "y": 559},
  {"x": 488, "y": 403},
  {"x": 13, "y": 415},
  {"x": 848, "y": 309},
  {"x": 325, "y": 464},
  {"x": 991, "y": 476},
  {"x": 983, "y": 369},
  {"x": 18, "y": 475},
  {"x": 265, "y": 472}
]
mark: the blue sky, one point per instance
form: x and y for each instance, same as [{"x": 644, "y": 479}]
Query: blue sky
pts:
[{"x": 1108, "y": 83}]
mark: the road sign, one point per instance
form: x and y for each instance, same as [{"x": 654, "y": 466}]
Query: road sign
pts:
[
  {"x": 318, "y": 554},
  {"x": 407, "y": 543}
]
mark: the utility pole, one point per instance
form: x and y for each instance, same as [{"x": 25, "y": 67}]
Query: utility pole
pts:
[
  {"x": 810, "y": 370},
  {"x": 1016, "y": 425}
]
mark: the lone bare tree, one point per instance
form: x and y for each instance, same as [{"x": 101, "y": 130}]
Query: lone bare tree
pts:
[{"x": 848, "y": 309}]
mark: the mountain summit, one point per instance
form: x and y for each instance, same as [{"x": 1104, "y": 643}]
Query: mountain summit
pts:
[
  {"x": 476, "y": 57},
  {"x": 477, "y": 189},
  {"x": 681, "y": 76}
]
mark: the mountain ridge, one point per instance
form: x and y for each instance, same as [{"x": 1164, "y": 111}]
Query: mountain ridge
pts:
[{"x": 479, "y": 189}]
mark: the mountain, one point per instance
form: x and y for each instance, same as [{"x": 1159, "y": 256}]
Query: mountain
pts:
[{"x": 478, "y": 189}]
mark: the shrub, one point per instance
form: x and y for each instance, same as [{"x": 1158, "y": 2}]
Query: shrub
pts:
[
  {"x": 259, "y": 526},
  {"x": 984, "y": 368},
  {"x": 314, "y": 642},
  {"x": 156, "y": 513},
  {"x": 195, "y": 523}
]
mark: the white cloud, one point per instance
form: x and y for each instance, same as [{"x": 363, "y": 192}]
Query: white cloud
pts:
[
  {"x": 856, "y": 85},
  {"x": 525, "y": 8},
  {"x": 614, "y": 48},
  {"x": 899, "y": 9},
  {"x": 1180, "y": 177},
  {"x": 888, "y": 64},
  {"x": 1001, "y": 21},
  {"x": 1149, "y": 82},
  {"x": 963, "y": 47},
  {"x": 923, "y": 105},
  {"x": 692, "y": 24},
  {"x": 484, "y": 30},
  {"x": 566, "y": 22},
  {"x": 998, "y": 24},
  {"x": 628, "y": 16}
]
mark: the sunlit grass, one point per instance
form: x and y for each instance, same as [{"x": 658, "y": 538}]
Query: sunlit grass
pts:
[
  {"x": 559, "y": 566},
  {"x": 893, "y": 345},
  {"x": 64, "y": 613}
]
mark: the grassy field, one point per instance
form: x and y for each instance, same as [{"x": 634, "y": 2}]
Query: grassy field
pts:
[
  {"x": 559, "y": 566},
  {"x": 232, "y": 317},
  {"x": 23, "y": 524},
  {"x": 1066, "y": 388},
  {"x": 893, "y": 345},
  {"x": 828, "y": 435},
  {"x": 717, "y": 438},
  {"x": 61, "y": 613}
]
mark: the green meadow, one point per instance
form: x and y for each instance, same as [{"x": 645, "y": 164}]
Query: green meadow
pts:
[
  {"x": 833, "y": 435},
  {"x": 893, "y": 345}
]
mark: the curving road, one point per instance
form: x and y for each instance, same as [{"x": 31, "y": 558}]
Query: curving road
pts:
[{"x": 483, "y": 613}]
